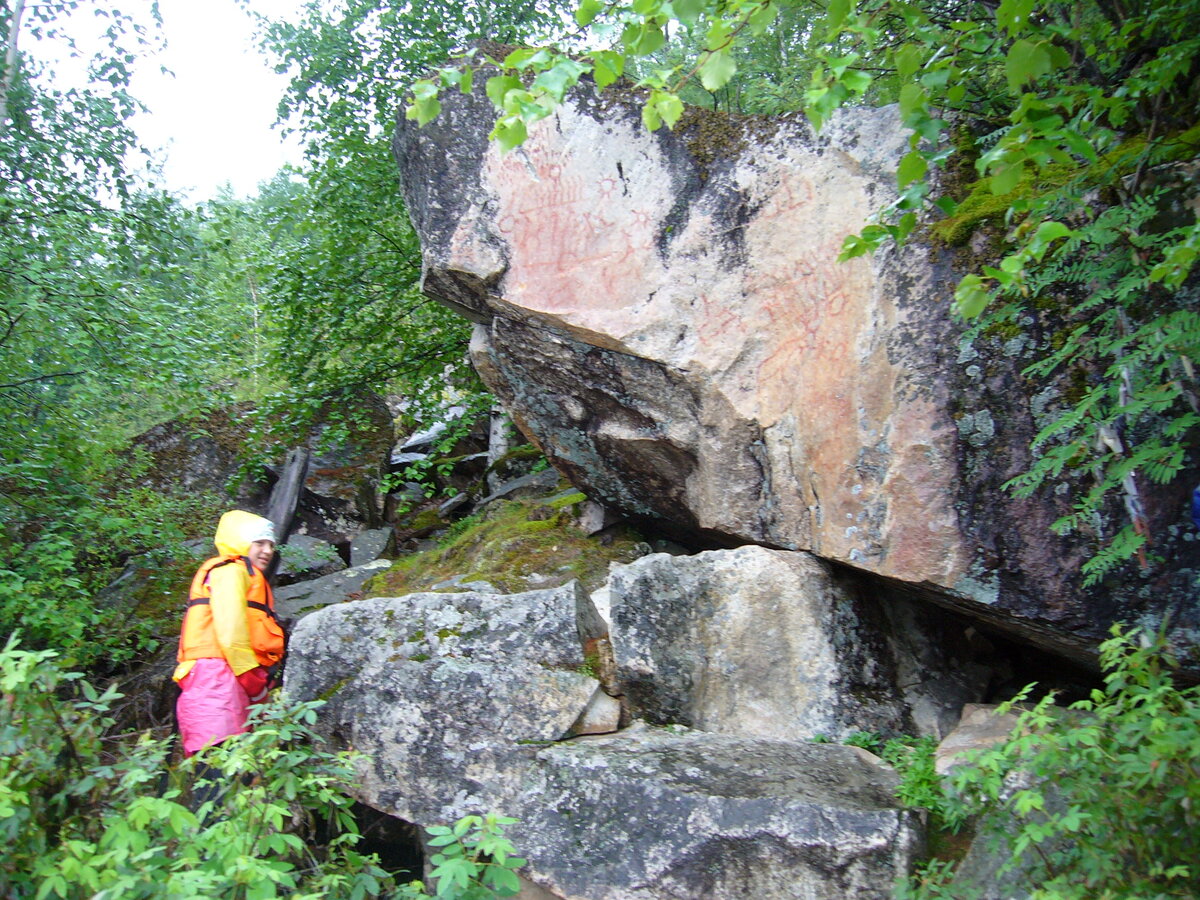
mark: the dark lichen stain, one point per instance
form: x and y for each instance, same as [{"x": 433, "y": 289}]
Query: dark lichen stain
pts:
[{"x": 711, "y": 136}]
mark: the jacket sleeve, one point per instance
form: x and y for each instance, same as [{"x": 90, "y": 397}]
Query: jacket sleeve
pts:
[{"x": 228, "y": 586}]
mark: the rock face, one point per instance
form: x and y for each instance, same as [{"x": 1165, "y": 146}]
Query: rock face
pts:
[
  {"x": 663, "y": 313},
  {"x": 461, "y": 703},
  {"x": 650, "y": 815},
  {"x": 445, "y": 692},
  {"x": 340, "y": 494},
  {"x": 772, "y": 644},
  {"x": 203, "y": 456},
  {"x": 981, "y": 727},
  {"x": 296, "y": 599}
]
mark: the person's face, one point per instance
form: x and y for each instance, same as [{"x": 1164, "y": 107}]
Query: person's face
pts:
[{"x": 260, "y": 554}]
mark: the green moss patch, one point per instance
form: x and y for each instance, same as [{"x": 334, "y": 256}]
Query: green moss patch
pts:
[
  {"x": 517, "y": 546},
  {"x": 567, "y": 500},
  {"x": 979, "y": 205}
]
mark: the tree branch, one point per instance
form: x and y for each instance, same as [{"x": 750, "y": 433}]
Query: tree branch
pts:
[{"x": 36, "y": 378}]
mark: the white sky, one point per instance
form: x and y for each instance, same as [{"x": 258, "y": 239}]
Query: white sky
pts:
[{"x": 212, "y": 120}]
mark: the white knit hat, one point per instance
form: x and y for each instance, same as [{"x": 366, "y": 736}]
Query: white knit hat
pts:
[{"x": 262, "y": 530}]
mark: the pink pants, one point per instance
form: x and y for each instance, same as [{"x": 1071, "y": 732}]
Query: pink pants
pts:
[{"x": 212, "y": 705}]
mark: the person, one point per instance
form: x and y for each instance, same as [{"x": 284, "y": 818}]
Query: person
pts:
[{"x": 230, "y": 638}]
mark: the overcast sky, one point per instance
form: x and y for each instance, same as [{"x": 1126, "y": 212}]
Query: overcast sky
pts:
[{"x": 212, "y": 120}]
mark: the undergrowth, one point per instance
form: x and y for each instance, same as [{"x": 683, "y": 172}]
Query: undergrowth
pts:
[
  {"x": 85, "y": 814},
  {"x": 1098, "y": 800}
]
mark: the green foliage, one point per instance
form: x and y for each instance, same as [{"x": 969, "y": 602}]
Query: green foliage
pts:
[
  {"x": 459, "y": 528},
  {"x": 932, "y": 881},
  {"x": 347, "y": 61},
  {"x": 125, "y": 517},
  {"x": 49, "y": 586},
  {"x": 433, "y": 471},
  {"x": 339, "y": 278},
  {"x": 1100, "y": 800},
  {"x": 42, "y": 594},
  {"x": 108, "y": 324},
  {"x": 48, "y": 589},
  {"x": 99, "y": 317},
  {"x": 83, "y": 816},
  {"x": 341, "y": 273},
  {"x": 299, "y": 559},
  {"x": 744, "y": 56},
  {"x": 475, "y": 861},
  {"x": 912, "y": 757},
  {"x": 1132, "y": 344}
]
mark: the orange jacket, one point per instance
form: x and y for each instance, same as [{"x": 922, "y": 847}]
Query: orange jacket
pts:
[
  {"x": 231, "y": 613},
  {"x": 202, "y": 636}
]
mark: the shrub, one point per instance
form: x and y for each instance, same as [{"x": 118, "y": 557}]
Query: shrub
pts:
[
  {"x": 1101, "y": 800},
  {"x": 85, "y": 816},
  {"x": 42, "y": 593},
  {"x": 912, "y": 757},
  {"x": 52, "y": 573},
  {"x": 261, "y": 815},
  {"x": 476, "y": 861}
]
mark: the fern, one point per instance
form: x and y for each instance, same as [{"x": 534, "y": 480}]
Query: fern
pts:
[
  {"x": 1133, "y": 341},
  {"x": 1124, "y": 545}
]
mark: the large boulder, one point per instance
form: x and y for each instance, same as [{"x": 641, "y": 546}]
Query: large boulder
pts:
[
  {"x": 294, "y": 600},
  {"x": 444, "y": 692},
  {"x": 202, "y": 454},
  {"x": 340, "y": 496},
  {"x": 773, "y": 644},
  {"x": 650, "y": 814},
  {"x": 461, "y": 703},
  {"x": 341, "y": 493},
  {"x": 664, "y": 314}
]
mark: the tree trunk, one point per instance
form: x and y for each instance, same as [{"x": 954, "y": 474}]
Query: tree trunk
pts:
[
  {"x": 286, "y": 494},
  {"x": 10, "y": 63}
]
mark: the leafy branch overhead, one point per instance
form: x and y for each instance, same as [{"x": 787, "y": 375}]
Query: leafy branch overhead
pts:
[
  {"x": 341, "y": 275},
  {"x": 1061, "y": 91},
  {"x": 1066, "y": 133}
]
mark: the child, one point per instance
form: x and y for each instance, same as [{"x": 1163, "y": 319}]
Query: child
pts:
[{"x": 230, "y": 635}]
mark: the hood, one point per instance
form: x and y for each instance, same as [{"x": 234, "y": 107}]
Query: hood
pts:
[{"x": 238, "y": 529}]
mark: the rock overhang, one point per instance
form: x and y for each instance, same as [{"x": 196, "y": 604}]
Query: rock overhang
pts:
[{"x": 677, "y": 335}]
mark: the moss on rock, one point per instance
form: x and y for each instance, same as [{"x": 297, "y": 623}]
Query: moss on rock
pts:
[
  {"x": 512, "y": 551},
  {"x": 979, "y": 206}
]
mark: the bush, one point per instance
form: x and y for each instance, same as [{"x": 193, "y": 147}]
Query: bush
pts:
[
  {"x": 86, "y": 816},
  {"x": 261, "y": 815},
  {"x": 1101, "y": 800},
  {"x": 52, "y": 572},
  {"x": 42, "y": 593},
  {"x": 912, "y": 758},
  {"x": 476, "y": 861}
]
